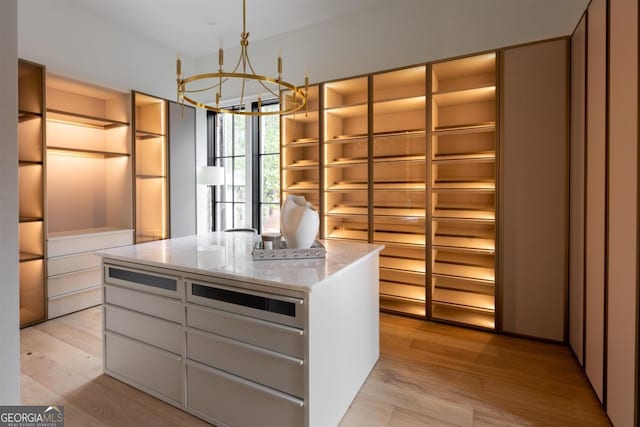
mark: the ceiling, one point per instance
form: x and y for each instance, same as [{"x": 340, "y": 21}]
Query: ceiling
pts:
[{"x": 197, "y": 27}]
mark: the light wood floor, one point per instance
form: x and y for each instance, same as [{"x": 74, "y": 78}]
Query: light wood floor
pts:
[{"x": 428, "y": 375}]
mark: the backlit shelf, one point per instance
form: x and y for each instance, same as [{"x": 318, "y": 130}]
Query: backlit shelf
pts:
[
  {"x": 77, "y": 119},
  {"x": 465, "y": 96},
  {"x": 399, "y": 212},
  {"x": 465, "y": 128},
  {"x": 402, "y": 305},
  {"x": 303, "y": 116},
  {"x": 26, "y": 257},
  {"x": 400, "y": 238},
  {"x": 466, "y": 300},
  {"x": 403, "y": 159},
  {"x": 464, "y": 185},
  {"x": 404, "y": 264},
  {"x": 70, "y": 151},
  {"x": 343, "y": 139},
  {"x": 342, "y": 210},
  {"x": 29, "y": 162},
  {"x": 399, "y": 105},
  {"x": 458, "y": 314},
  {"x": 393, "y": 135},
  {"x": 24, "y": 115},
  {"x": 348, "y": 111},
  {"x": 303, "y": 186},
  {"x": 346, "y": 234},
  {"x": 302, "y": 142},
  {"x": 399, "y": 185},
  {"x": 346, "y": 161},
  {"x": 303, "y": 164},
  {"x": 473, "y": 273},
  {"x": 472, "y": 244},
  {"x": 477, "y": 157},
  {"x": 480, "y": 214},
  {"x": 30, "y": 219},
  {"x": 146, "y": 176},
  {"x": 142, "y": 135},
  {"x": 342, "y": 186}
]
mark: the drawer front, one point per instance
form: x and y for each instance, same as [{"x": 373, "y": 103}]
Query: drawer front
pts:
[
  {"x": 273, "y": 336},
  {"x": 261, "y": 305},
  {"x": 143, "y": 280},
  {"x": 266, "y": 367},
  {"x": 239, "y": 403},
  {"x": 153, "y": 305},
  {"x": 157, "y": 332},
  {"x": 67, "y": 245},
  {"x": 72, "y": 282},
  {"x": 144, "y": 365},
  {"x": 71, "y": 263},
  {"x": 69, "y": 303}
]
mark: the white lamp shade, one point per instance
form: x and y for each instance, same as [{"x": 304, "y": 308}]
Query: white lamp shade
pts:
[{"x": 211, "y": 175}]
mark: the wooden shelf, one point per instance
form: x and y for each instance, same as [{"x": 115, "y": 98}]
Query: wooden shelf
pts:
[
  {"x": 402, "y": 305},
  {"x": 464, "y": 214},
  {"x": 341, "y": 162},
  {"x": 348, "y": 111},
  {"x": 303, "y": 116},
  {"x": 69, "y": 150},
  {"x": 78, "y": 119},
  {"x": 141, "y": 135},
  {"x": 348, "y": 211},
  {"x": 303, "y": 142},
  {"x": 404, "y": 264},
  {"x": 395, "y": 212},
  {"x": 464, "y": 185},
  {"x": 465, "y": 128},
  {"x": 400, "y": 238},
  {"x": 349, "y": 186},
  {"x": 26, "y": 257},
  {"x": 348, "y": 235},
  {"x": 473, "y": 273},
  {"x": 302, "y": 186},
  {"x": 477, "y": 157},
  {"x": 141, "y": 176},
  {"x": 400, "y": 133},
  {"x": 459, "y": 314},
  {"x": 465, "y": 96},
  {"x": 302, "y": 164},
  {"x": 399, "y": 105},
  {"x": 399, "y": 185},
  {"x": 343, "y": 139},
  {"x": 467, "y": 300},
  {"x": 24, "y": 115},
  {"x": 473, "y": 244},
  {"x": 29, "y": 162},
  {"x": 404, "y": 159},
  {"x": 30, "y": 219}
]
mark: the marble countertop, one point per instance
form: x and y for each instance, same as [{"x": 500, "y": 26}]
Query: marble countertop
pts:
[{"x": 228, "y": 255}]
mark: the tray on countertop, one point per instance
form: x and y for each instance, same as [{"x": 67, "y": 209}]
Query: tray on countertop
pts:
[{"x": 317, "y": 250}]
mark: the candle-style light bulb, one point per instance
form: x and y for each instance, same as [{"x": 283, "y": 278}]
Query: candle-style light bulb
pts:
[
  {"x": 279, "y": 64},
  {"x": 220, "y": 57}
]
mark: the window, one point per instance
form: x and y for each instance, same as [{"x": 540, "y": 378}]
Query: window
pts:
[{"x": 249, "y": 150}]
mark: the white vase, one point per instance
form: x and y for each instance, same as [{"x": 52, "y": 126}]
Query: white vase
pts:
[{"x": 299, "y": 222}]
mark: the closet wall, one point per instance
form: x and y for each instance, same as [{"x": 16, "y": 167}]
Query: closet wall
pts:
[{"x": 608, "y": 349}]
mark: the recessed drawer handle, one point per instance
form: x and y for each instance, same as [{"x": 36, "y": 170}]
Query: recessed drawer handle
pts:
[
  {"x": 143, "y": 278},
  {"x": 256, "y": 302}
]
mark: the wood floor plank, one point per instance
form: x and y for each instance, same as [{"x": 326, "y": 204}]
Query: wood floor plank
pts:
[{"x": 428, "y": 374}]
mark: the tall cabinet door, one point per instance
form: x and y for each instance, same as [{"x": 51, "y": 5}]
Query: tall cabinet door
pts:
[
  {"x": 182, "y": 164},
  {"x": 533, "y": 200}
]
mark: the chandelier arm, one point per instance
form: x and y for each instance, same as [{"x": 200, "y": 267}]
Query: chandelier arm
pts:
[{"x": 260, "y": 81}]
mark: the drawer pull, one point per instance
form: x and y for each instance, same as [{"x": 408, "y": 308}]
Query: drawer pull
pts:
[
  {"x": 144, "y": 279},
  {"x": 257, "y": 302}
]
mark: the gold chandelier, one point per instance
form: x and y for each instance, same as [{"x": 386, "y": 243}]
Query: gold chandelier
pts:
[{"x": 289, "y": 104}]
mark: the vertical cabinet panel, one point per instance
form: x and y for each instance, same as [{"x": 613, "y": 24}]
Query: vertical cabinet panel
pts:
[
  {"x": 399, "y": 199},
  {"x": 300, "y": 149},
  {"x": 346, "y": 160},
  {"x": 463, "y": 186},
  {"x": 577, "y": 192},
  {"x": 595, "y": 194},
  {"x": 622, "y": 268},
  {"x": 533, "y": 220},
  {"x": 182, "y": 159},
  {"x": 151, "y": 168},
  {"x": 31, "y": 174}
]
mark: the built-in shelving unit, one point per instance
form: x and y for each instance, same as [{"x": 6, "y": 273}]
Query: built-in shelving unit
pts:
[
  {"x": 463, "y": 190},
  {"x": 151, "y": 168},
  {"x": 88, "y": 187},
  {"x": 31, "y": 172},
  {"x": 346, "y": 159},
  {"x": 399, "y": 182},
  {"x": 300, "y": 150}
]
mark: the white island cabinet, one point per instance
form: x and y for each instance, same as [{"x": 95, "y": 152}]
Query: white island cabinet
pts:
[{"x": 197, "y": 323}]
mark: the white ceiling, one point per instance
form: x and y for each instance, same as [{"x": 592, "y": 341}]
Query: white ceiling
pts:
[{"x": 197, "y": 27}]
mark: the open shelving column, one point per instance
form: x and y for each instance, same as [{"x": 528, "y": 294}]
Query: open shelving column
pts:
[
  {"x": 88, "y": 188},
  {"x": 300, "y": 151},
  {"x": 399, "y": 194},
  {"x": 151, "y": 169},
  {"x": 31, "y": 166},
  {"x": 463, "y": 190},
  {"x": 346, "y": 160}
]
